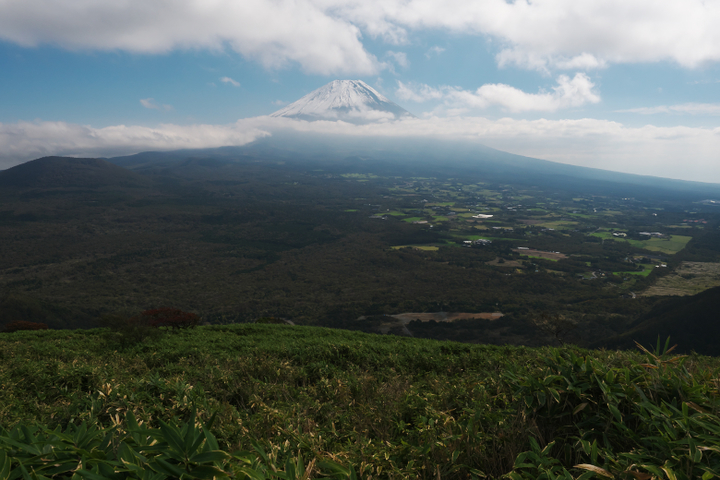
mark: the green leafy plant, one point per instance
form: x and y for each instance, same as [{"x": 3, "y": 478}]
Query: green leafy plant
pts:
[
  {"x": 645, "y": 420},
  {"x": 188, "y": 451},
  {"x": 305, "y": 402}
]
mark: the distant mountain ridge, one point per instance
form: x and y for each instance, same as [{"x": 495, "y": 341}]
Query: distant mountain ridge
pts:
[
  {"x": 52, "y": 172},
  {"x": 353, "y": 101},
  {"x": 426, "y": 156}
]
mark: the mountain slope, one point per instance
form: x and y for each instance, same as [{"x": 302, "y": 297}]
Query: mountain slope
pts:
[
  {"x": 691, "y": 322},
  {"x": 352, "y": 101},
  {"x": 50, "y": 172},
  {"x": 428, "y": 156}
]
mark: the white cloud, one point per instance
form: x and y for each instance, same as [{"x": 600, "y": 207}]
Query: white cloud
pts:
[
  {"x": 230, "y": 81},
  {"x": 418, "y": 93},
  {"x": 325, "y": 36},
  {"x": 436, "y": 50},
  {"x": 153, "y": 105},
  {"x": 544, "y": 63},
  {"x": 25, "y": 141},
  {"x": 399, "y": 57},
  {"x": 584, "y": 61},
  {"x": 274, "y": 33},
  {"x": 566, "y": 34},
  {"x": 568, "y": 93},
  {"x": 675, "y": 152},
  {"x": 686, "y": 108}
]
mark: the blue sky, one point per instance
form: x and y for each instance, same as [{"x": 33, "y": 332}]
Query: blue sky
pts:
[{"x": 630, "y": 85}]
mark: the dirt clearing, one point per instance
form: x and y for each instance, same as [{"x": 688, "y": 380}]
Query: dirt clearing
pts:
[
  {"x": 406, "y": 318},
  {"x": 539, "y": 253}
]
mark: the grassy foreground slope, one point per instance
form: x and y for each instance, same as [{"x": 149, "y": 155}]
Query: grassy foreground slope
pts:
[{"x": 389, "y": 407}]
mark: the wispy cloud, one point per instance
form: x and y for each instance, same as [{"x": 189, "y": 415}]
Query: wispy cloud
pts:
[
  {"x": 434, "y": 51},
  {"x": 569, "y": 92},
  {"x": 230, "y": 81},
  {"x": 703, "y": 82},
  {"x": 530, "y": 60},
  {"x": 683, "y": 108},
  {"x": 153, "y": 105},
  {"x": 399, "y": 57},
  {"x": 420, "y": 93}
]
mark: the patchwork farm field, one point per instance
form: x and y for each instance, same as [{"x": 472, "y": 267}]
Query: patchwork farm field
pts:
[
  {"x": 688, "y": 279},
  {"x": 670, "y": 246}
]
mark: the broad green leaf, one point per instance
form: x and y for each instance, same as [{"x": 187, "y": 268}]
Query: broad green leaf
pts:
[
  {"x": 131, "y": 421},
  {"x": 172, "y": 437},
  {"x": 579, "y": 408},
  {"x": 24, "y": 447},
  {"x": 669, "y": 472},
  {"x": 207, "y": 471},
  {"x": 548, "y": 447},
  {"x": 191, "y": 437},
  {"x": 253, "y": 474},
  {"x": 653, "y": 469},
  {"x": 24, "y": 472},
  {"x": 210, "y": 457},
  {"x": 5, "y": 466},
  {"x": 616, "y": 413},
  {"x": 62, "y": 468},
  {"x": 90, "y": 475},
  {"x": 168, "y": 468}
]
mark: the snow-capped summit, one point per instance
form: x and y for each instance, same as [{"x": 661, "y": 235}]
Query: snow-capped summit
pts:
[{"x": 352, "y": 101}]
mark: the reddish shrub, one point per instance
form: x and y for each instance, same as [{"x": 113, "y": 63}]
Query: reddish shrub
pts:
[
  {"x": 169, "y": 317},
  {"x": 22, "y": 325}
]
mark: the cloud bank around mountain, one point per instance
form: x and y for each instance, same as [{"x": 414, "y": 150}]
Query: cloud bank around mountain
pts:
[
  {"x": 683, "y": 108},
  {"x": 568, "y": 93},
  {"x": 23, "y": 141},
  {"x": 326, "y": 36},
  {"x": 675, "y": 152}
]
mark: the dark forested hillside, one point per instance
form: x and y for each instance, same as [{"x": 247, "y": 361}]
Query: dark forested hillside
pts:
[
  {"x": 58, "y": 172},
  {"x": 693, "y": 323},
  {"x": 347, "y": 242}
]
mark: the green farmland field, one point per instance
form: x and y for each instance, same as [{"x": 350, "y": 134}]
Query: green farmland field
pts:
[{"x": 668, "y": 246}]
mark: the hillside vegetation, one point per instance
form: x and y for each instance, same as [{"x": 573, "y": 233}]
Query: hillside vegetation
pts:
[
  {"x": 691, "y": 321},
  {"x": 277, "y": 401},
  {"x": 343, "y": 244}
]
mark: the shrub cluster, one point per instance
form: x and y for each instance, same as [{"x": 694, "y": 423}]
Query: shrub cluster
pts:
[
  {"x": 387, "y": 407},
  {"x": 656, "y": 419},
  {"x": 168, "y": 317},
  {"x": 146, "y": 325},
  {"x": 185, "y": 451},
  {"x": 23, "y": 325}
]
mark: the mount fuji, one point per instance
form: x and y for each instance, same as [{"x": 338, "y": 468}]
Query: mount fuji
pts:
[{"x": 352, "y": 101}]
